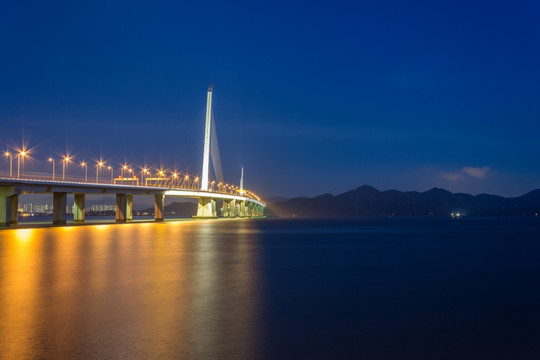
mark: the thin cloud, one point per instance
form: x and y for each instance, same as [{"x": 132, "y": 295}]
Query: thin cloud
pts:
[
  {"x": 467, "y": 171},
  {"x": 478, "y": 173}
]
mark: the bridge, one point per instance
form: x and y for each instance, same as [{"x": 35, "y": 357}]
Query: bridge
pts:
[{"x": 235, "y": 200}]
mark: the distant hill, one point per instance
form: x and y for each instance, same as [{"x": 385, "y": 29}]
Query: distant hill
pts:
[{"x": 366, "y": 200}]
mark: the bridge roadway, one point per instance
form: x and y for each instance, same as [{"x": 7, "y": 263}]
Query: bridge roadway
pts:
[{"x": 10, "y": 189}]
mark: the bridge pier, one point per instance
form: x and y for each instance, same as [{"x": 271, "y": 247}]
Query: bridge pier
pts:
[
  {"x": 229, "y": 208},
  {"x": 78, "y": 208},
  {"x": 254, "y": 210},
  {"x": 59, "y": 208},
  {"x": 9, "y": 206},
  {"x": 129, "y": 207},
  {"x": 121, "y": 207},
  {"x": 225, "y": 209},
  {"x": 232, "y": 208},
  {"x": 206, "y": 208},
  {"x": 159, "y": 206},
  {"x": 242, "y": 209}
]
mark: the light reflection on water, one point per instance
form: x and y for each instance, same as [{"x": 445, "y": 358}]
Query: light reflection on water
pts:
[{"x": 135, "y": 291}]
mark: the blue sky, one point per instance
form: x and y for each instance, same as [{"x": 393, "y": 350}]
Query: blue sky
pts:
[{"x": 310, "y": 97}]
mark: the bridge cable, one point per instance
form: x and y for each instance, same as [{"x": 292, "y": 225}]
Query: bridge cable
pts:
[{"x": 214, "y": 152}]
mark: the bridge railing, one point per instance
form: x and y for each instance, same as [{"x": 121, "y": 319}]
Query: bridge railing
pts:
[{"x": 168, "y": 183}]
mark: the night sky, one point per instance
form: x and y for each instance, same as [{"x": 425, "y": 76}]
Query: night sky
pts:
[{"x": 310, "y": 97}]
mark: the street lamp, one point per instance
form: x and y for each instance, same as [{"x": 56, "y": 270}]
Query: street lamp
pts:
[
  {"x": 195, "y": 182},
  {"x": 64, "y": 162},
  {"x": 51, "y": 160},
  {"x": 85, "y": 165},
  {"x": 10, "y": 155},
  {"x": 122, "y": 172},
  {"x": 143, "y": 174},
  {"x": 111, "y": 169},
  {"x": 21, "y": 154},
  {"x": 99, "y": 164},
  {"x": 175, "y": 175}
]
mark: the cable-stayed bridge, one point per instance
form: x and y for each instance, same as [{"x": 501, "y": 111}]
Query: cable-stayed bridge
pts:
[{"x": 215, "y": 196}]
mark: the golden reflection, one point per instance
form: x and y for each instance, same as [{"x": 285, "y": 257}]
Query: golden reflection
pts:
[
  {"x": 24, "y": 234},
  {"x": 19, "y": 295},
  {"x": 157, "y": 289},
  {"x": 101, "y": 227}
]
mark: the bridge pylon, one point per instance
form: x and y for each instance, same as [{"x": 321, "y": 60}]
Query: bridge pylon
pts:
[{"x": 207, "y": 206}]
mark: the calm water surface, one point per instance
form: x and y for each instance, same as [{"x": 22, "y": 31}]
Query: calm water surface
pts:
[{"x": 366, "y": 288}]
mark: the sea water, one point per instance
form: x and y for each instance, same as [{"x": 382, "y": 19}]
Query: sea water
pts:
[{"x": 350, "y": 288}]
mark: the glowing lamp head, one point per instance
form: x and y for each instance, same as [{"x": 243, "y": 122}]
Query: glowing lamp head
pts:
[
  {"x": 100, "y": 163},
  {"x": 23, "y": 153},
  {"x": 7, "y": 153}
]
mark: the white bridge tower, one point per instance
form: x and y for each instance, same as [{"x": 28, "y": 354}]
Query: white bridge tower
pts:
[{"x": 207, "y": 205}]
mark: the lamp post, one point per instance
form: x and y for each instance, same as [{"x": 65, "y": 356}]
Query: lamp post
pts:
[
  {"x": 111, "y": 169},
  {"x": 51, "y": 160},
  {"x": 21, "y": 154},
  {"x": 98, "y": 165},
  {"x": 122, "y": 172},
  {"x": 10, "y": 155},
  {"x": 64, "y": 163},
  {"x": 85, "y": 165},
  {"x": 143, "y": 174}
]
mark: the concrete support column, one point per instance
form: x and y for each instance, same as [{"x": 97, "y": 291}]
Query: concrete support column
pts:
[
  {"x": 242, "y": 209},
  {"x": 9, "y": 206},
  {"x": 159, "y": 206},
  {"x": 121, "y": 208},
  {"x": 78, "y": 208},
  {"x": 206, "y": 208},
  {"x": 129, "y": 207},
  {"x": 59, "y": 208},
  {"x": 14, "y": 209},
  {"x": 225, "y": 208},
  {"x": 214, "y": 208},
  {"x": 232, "y": 208},
  {"x": 251, "y": 211}
]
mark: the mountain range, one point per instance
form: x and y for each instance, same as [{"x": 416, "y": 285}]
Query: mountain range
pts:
[{"x": 366, "y": 200}]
